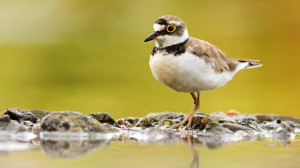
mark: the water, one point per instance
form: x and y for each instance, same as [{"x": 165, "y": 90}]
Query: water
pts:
[{"x": 131, "y": 154}]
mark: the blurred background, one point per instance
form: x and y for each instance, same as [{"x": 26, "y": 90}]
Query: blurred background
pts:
[{"x": 89, "y": 56}]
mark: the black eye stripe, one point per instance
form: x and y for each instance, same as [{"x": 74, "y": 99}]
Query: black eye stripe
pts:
[{"x": 161, "y": 21}]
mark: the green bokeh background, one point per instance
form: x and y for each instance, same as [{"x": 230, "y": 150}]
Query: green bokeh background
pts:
[{"x": 89, "y": 56}]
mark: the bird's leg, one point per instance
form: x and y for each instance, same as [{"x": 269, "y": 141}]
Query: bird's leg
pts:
[
  {"x": 194, "y": 97},
  {"x": 190, "y": 116}
]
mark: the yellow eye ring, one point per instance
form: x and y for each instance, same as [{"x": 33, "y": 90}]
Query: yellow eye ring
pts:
[{"x": 171, "y": 28}]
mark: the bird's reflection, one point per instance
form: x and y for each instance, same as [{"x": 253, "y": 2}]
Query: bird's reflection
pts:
[{"x": 189, "y": 142}]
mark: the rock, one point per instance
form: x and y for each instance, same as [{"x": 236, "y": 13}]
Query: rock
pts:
[
  {"x": 200, "y": 121},
  {"x": 36, "y": 128},
  {"x": 271, "y": 117},
  {"x": 144, "y": 122},
  {"x": 269, "y": 126},
  {"x": 161, "y": 119},
  {"x": 4, "y": 120},
  {"x": 168, "y": 122},
  {"x": 103, "y": 117},
  {"x": 165, "y": 115},
  {"x": 249, "y": 123},
  {"x": 67, "y": 121},
  {"x": 120, "y": 123},
  {"x": 287, "y": 127},
  {"x": 40, "y": 113},
  {"x": 12, "y": 126},
  {"x": 21, "y": 115},
  {"x": 235, "y": 127},
  {"x": 131, "y": 120},
  {"x": 216, "y": 129},
  {"x": 111, "y": 129},
  {"x": 28, "y": 124}
]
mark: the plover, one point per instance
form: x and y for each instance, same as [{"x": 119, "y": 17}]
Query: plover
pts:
[{"x": 188, "y": 64}]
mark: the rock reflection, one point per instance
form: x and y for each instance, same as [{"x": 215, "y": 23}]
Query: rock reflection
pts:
[{"x": 72, "y": 148}]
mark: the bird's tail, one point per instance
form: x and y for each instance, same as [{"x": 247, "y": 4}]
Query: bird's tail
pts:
[{"x": 251, "y": 63}]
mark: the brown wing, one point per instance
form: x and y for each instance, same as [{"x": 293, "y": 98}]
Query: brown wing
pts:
[{"x": 212, "y": 55}]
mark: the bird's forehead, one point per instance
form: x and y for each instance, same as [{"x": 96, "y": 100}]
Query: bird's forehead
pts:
[
  {"x": 167, "y": 21},
  {"x": 158, "y": 27}
]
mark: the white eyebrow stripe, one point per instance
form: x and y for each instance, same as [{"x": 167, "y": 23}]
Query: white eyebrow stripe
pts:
[
  {"x": 175, "y": 23},
  {"x": 158, "y": 27}
]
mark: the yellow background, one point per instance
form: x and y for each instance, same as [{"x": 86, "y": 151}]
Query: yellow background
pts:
[{"x": 89, "y": 56}]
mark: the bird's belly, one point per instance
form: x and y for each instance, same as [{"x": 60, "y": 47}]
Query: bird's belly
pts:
[{"x": 186, "y": 72}]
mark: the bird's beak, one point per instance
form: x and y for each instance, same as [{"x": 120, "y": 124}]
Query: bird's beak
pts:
[{"x": 151, "y": 37}]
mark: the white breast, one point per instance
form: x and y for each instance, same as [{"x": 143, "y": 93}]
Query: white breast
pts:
[{"x": 187, "y": 72}]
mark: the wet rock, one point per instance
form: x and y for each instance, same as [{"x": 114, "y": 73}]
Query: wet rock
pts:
[
  {"x": 103, "y": 117},
  {"x": 269, "y": 126},
  {"x": 4, "y": 120},
  {"x": 271, "y": 117},
  {"x": 8, "y": 125},
  {"x": 200, "y": 121},
  {"x": 111, "y": 129},
  {"x": 12, "y": 126},
  {"x": 121, "y": 123},
  {"x": 249, "y": 123},
  {"x": 216, "y": 129},
  {"x": 21, "y": 115},
  {"x": 161, "y": 119},
  {"x": 164, "y": 115},
  {"x": 28, "y": 124},
  {"x": 167, "y": 122},
  {"x": 36, "y": 128},
  {"x": 131, "y": 120},
  {"x": 144, "y": 122},
  {"x": 40, "y": 113},
  {"x": 287, "y": 127},
  {"x": 67, "y": 121},
  {"x": 235, "y": 127}
]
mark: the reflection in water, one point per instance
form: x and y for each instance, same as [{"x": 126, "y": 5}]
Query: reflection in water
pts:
[
  {"x": 62, "y": 145},
  {"x": 72, "y": 148},
  {"x": 188, "y": 141}
]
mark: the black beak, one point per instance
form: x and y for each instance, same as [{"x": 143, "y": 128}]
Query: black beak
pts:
[{"x": 151, "y": 37}]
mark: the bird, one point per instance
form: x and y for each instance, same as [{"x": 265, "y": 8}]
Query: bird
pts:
[{"x": 187, "y": 64}]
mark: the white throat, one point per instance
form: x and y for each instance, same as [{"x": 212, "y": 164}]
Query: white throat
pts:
[{"x": 167, "y": 40}]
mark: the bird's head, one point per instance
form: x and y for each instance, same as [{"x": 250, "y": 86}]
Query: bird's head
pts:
[{"x": 168, "y": 30}]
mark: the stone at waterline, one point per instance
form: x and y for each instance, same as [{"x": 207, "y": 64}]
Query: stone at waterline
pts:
[
  {"x": 21, "y": 115},
  {"x": 200, "y": 121},
  {"x": 103, "y": 117},
  {"x": 161, "y": 119},
  {"x": 6, "y": 124},
  {"x": 144, "y": 122},
  {"x": 235, "y": 127},
  {"x": 68, "y": 121}
]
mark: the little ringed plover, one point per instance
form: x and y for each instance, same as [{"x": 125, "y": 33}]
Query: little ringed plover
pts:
[{"x": 188, "y": 64}]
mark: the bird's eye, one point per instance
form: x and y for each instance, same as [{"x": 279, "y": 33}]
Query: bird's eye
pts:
[{"x": 171, "y": 28}]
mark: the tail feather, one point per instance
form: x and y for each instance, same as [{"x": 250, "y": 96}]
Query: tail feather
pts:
[{"x": 251, "y": 63}]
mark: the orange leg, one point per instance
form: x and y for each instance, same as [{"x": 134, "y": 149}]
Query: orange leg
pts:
[{"x": 190, "y": 116}]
